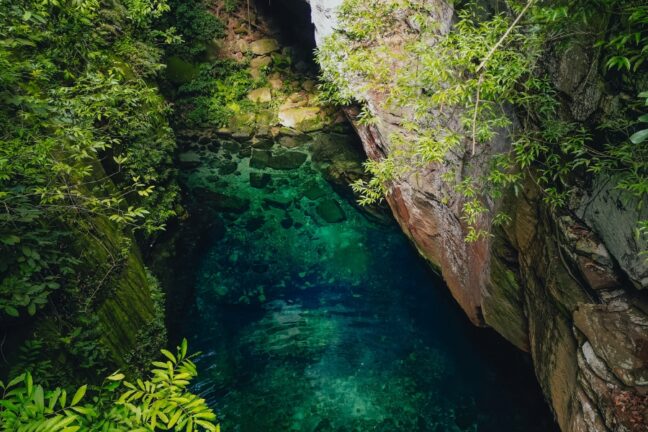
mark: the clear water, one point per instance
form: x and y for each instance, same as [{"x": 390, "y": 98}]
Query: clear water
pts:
[{"x": 306, "y": 325}]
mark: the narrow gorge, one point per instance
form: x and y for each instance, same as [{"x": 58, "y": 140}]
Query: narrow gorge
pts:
[{"x": 346, "y": 215}]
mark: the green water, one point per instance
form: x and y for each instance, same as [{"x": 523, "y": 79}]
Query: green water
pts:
[{"x": 309, "y": 325}]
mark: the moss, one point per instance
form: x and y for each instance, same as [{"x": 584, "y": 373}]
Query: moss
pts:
[{"x": 180, "y": 71}]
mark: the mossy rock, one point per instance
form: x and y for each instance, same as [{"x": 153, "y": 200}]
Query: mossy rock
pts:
[
  {"x": 260, "y": 62},
  {"x": 304, "y": 119},
  {"x": 264, "y": 46},
  {"x": 260, "y": 95},
  {"x": 180, "y": 71}
]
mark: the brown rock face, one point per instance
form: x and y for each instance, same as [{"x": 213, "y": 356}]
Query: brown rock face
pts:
[{"x": 567, "y": 286}]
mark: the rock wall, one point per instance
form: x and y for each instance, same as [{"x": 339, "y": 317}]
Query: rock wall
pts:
[{"x": 568, "y": 286}]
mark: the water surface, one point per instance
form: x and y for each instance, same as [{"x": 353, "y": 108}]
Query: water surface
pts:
[{"x": 308, "y": 325}]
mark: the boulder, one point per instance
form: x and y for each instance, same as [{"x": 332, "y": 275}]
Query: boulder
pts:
[
  {"x": 331, "y": 211},
  {"x": 259, "y": 158},
  {"x": 259, "y": 180},
  {"x": 222, "y": 202},
  {"x": 260, "y": 95},
  {"x": 260, "y": 62},
  {"x": 278, "y": 201},
  {"x": 189, "y": 159},
  {"x": 227, "y": 168},
  {"x": 288, "y": 142},
  {"x": 287, "y": 160},
  {"x": 303, "y": 118},
  {"x": 313, "y": 191},
  {"x": 262, "y": 142},
  {"x": 232, "y": 146},
  {"x": 264, "y": 46}
]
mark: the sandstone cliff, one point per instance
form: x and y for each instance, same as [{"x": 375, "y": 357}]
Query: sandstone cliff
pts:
[{"x": 568, "y": 286}]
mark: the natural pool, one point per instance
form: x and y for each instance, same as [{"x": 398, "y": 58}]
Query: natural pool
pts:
[{"x": 312, "y": 316}]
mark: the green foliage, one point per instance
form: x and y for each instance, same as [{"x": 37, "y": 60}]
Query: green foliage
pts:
[
  {"x": 197, "y": 26},
  {"x": 84, "y": 137},
  {"x": 160, "y": 402},
  {"x": 487, "y": 64},
  {"x": 217, "y": 93}
]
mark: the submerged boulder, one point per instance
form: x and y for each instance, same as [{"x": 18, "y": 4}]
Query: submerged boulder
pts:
[
  {"x": 189, "y": 159},
  {"x": 221, "y": 202},
  {"x": 259, "y": 158},
  {"x": 331, "y": 211},
  {"x": 259, "y": 180},
  {"x": 287, "y": 160}
]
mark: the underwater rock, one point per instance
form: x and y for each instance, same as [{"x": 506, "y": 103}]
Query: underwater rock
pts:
[
  {"x": 222, "y": 202},
  {"x": 331, "y": 211},
  {"x": 245, "y": 152},
  {"x": 254, "y": 223},
  {"x": 259, "y": 180},
  {"x": 262, "y": 142},
  {"x": 231, "y": 146},
  {"x": 278, "y": 201},
  {"x": 260, "y": 158},
  {"x": 287, "y": 222},
  {"x": 287, "y": 161},
  {"x": 228, "y": 168},
  {"x": 189, "y": 159},
  {"x": 313, "y": 191},
  {"x": 264, "y": 46}
]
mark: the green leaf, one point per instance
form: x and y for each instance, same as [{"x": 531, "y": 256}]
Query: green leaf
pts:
[
  {"x": 116, "y": 377},
  {"x": 79, "y": 394},
  {"x": 168, "y": 355},
  {"x": 183, "y": 348},
  {"x": 11, "y": 311},
  {"x": 30, "y": 383},
  {"x": 39, "y": 398},
  {"x": 10, "y": 239},
  {"x": 639, "y": 137}
]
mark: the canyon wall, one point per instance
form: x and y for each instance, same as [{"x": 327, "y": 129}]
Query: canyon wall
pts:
[{"x": 569, "y": 286}]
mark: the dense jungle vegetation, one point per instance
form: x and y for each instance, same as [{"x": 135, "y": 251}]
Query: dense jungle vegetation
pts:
[
  {"x": 87, "y": 176},
  {"x": 86, "y": 173}
]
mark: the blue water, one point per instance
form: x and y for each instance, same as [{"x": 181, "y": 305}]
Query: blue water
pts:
[{"x": 306, "y": 325}]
